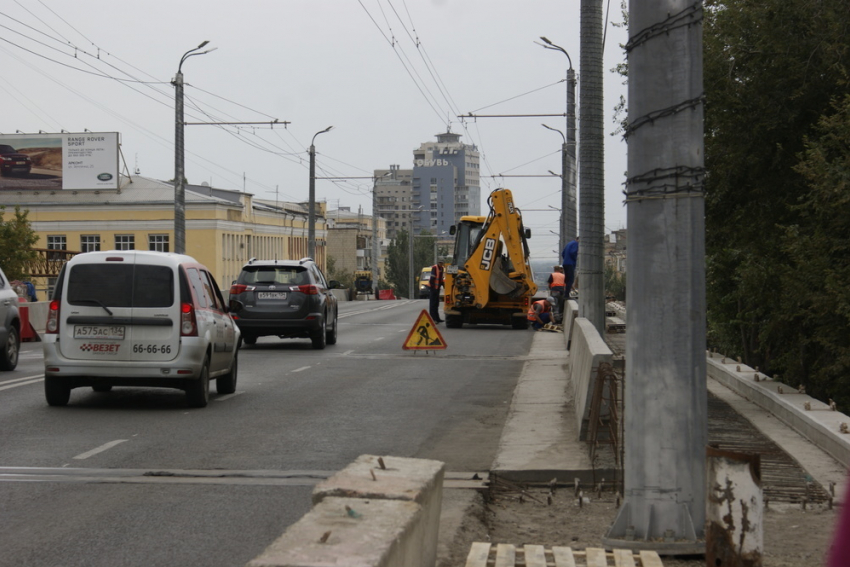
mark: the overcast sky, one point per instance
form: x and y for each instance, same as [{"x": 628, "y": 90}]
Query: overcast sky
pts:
[{"x": 387, "y": 74}]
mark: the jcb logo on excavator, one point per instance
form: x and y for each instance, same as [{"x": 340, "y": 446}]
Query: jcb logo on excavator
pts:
[{"x": 487, "y": 257}]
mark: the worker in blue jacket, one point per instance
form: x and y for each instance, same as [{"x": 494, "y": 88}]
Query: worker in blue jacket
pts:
[{"x": 569, "y": 256}]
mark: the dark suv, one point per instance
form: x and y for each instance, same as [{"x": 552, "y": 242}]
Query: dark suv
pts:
[
  {"x": 286, "y": 298},
  {"x": 14, "y": 162}
]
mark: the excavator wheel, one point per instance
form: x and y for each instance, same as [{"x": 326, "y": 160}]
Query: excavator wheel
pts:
[{"x": 454, "y": 321}]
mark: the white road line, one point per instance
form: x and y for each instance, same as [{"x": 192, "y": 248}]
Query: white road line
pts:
[
  {"x": 299, "y": 369},
  {"x": 378, "y": 339},
  {"x": 20, "y": 379},
  {"x": 100, "y": 449},
  {"x": 346, "y": 353},
  {"x": 21, "y": 384},
  {"x": 228, "y": 396}
]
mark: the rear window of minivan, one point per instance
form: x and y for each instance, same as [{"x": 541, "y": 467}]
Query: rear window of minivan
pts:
[{"x": 121, "y": 285}]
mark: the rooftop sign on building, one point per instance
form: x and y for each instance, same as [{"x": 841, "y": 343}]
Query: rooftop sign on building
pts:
[{"x": 48, "y": 162}]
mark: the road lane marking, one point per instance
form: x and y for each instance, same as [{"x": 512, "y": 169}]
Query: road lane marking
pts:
[
  {"x": 300, "y": 369},
  {"x": 378, "y": 339},
  {"x": 228, "y": 396},
  {"x": 20, "y": 379},
  {"x": 21, "y": 384},
  {"x": 100, "y": 449},
  {"x": 346, "y": 353}
]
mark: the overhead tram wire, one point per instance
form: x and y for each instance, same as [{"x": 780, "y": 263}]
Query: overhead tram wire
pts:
[
  {"x": 78, "y": 50},
  {"x": 418, "y": 86}
]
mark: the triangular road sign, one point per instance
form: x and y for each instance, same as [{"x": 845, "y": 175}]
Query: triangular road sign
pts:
[{"x": 424, "y": 335}]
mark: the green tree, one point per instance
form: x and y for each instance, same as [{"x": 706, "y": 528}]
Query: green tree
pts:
[
  {"x": 615, "y": 283},
  {"x": 16, "y": 241},
  {"x": 344, "y": 277},
  {"x": 819, "y": 248},
  {"x": 398, "y": 260},
  {"x": 765, "y": 94}
]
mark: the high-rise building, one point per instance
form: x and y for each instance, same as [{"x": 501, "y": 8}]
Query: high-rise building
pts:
[
  {"x": 445, "y": 183},
  {"x": 394, "y": 198}
]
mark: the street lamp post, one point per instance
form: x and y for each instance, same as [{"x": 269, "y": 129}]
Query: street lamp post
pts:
[
  {"x": 375, "y": 231},
  {"x": 568, "y": 155},
  {"x": 311, "y": 215},
  {"x": 179, "y": 167},
  {"x": 565, "y": 191}
]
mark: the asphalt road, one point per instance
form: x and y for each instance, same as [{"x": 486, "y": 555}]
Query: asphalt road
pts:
[{"x": 135, "y": 477}]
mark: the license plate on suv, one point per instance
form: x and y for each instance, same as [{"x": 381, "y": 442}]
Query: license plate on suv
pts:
[
  {"x": 271, "y": 295},
  {"x": 99, "y": 332}
]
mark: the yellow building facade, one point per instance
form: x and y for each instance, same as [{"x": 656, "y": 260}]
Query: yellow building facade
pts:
[{"x": 224, "y": 229}]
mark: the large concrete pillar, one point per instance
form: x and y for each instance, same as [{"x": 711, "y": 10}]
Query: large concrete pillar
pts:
[{"x": 665, "y": 398}]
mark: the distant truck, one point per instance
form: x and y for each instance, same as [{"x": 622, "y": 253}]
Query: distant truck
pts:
[{"x": 490, "y": 279}]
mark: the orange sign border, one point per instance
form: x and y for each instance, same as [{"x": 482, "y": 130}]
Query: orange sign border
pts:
[{"x": 424, "y": 317}]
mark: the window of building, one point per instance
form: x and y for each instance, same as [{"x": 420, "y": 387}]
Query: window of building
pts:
[
  {"x": 158, "y": 242},
  {"x": 56, "y": 242},
  {"x": 125, "y": 242},
  {"x": 90, "y": 243}
]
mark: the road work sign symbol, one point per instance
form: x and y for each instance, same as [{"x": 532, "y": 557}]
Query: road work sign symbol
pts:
[{"x": 424, "y": 335}]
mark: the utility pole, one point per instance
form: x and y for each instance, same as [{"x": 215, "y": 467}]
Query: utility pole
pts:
[
  {"x": 591, "y": 168},
  {"x": 665, "y": 398},
  {"x": 569, "y": 226},
  {"x": 311, "y": 208},
  {"x": 179, "y": 154}
]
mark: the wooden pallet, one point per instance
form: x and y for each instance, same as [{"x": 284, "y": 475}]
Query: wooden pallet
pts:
[
  {"x": 484, "y": 554},
  {"x": 615, "y": 325}
]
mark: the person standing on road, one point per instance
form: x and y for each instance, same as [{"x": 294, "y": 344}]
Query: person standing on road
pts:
[
  {"x": 569, "y": 257},
  {"x": 435, "y": 282},
  {"x": 557, "y": 288}
]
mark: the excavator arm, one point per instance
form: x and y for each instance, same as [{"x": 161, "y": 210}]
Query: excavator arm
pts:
[{"x": 499, "y": 259}]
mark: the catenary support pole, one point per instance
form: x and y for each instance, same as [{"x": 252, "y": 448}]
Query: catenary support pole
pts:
[
  {"x": 665, "y": 393},
  {"x": 591, "y": 168}
]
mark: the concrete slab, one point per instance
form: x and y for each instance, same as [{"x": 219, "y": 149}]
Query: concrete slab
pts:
[{"x": 540, "y": 438}]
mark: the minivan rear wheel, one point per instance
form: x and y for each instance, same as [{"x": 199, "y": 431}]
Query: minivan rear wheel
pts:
[
  {"x": 198, "y": 392},
  {"x": 249, "y": 340},
  {"x": 227, "y": 384},
  {"x": 56, "y": 391}
]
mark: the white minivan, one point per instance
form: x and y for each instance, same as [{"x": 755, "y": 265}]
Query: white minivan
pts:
[{"x": 138, "y": 318}]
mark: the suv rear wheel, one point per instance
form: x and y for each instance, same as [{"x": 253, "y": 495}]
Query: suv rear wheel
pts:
[
  {"x": 249, "y": 340},
  {"x": 320, "y": 337},
  {"x": 330, "y": 336}
]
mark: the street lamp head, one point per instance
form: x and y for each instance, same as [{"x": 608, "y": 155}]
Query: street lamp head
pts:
[
  {"x": 203, "y": 43},
  {"x": 545, "y": 40}
]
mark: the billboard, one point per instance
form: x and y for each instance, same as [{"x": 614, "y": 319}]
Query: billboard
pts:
[{"x": 42, "y": 162}]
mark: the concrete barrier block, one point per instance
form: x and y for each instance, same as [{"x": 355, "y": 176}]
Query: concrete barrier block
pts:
[
  {"x": 820, "y": 424},
  {"x": 570, "y": 315},
  {"x": 349, "y": 531},
  {"x": 413, "y": 480},
  {"x": 38, "y": 315},
  {"x": 587, "y": 352}
]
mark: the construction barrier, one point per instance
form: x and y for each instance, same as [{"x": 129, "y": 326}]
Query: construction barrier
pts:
[{"x": 386, "y": 294}]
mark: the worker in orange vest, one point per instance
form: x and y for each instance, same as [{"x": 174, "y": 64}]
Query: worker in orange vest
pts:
[
  {"x": 435, "y": 282},
  {"x": 540, "y": 313},
  {"x": 557, "y": 287}
]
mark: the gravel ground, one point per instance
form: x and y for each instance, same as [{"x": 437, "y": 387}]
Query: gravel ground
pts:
[{"x": 792, "y": 537}]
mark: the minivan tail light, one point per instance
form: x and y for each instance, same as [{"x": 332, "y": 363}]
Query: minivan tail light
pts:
[
  {"x": 188, "y": 324},
  {"x": 52, "y": 325},
  {"x": 308, "y": 289}
]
